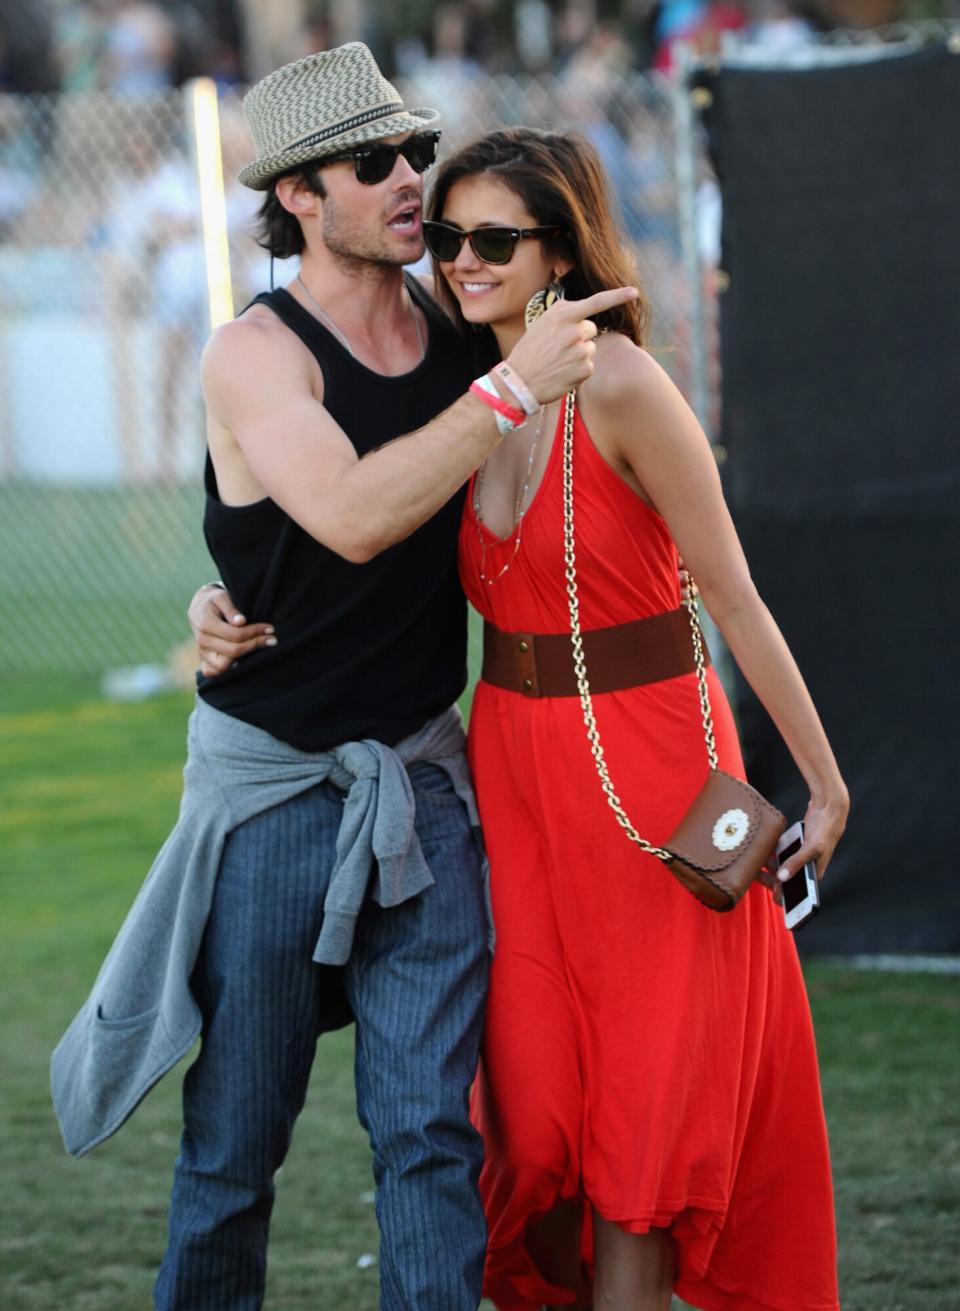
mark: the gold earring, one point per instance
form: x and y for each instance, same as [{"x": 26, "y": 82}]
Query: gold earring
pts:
[{"x": 541, "y": 301}]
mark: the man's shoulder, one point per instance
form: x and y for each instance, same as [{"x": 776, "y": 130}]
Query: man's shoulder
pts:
[
  {"x": 250, "y": 345},
  {"x": 254, "y": 327}
]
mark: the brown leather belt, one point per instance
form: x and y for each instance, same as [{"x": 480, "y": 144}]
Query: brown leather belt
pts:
[{"x": 626, "y": 655}]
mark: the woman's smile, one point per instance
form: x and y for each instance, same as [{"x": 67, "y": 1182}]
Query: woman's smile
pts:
[{"x": 473, "y": 288}]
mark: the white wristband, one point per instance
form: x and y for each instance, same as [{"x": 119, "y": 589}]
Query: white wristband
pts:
[
  {"x": 506, "y": 423},
  {"x": 521, "y": 391}
]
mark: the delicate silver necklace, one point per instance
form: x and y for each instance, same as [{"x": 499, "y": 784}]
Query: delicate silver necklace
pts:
[
  {"x": 341, "y": 337},
  {"x": 519, "y": 510}
]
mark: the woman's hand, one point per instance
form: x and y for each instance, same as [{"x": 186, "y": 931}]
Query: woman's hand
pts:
[
  {"x": 222, "y": 633},
  {"x": 823, "y": 826}
]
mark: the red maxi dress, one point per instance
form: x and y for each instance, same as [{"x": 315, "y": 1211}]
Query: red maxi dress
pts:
[{"x": 642, "y": 1054}]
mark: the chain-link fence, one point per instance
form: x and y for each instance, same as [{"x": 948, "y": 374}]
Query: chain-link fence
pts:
[
  {"x": 104, "y": 290},
  {"x": 103, "y": 285}
]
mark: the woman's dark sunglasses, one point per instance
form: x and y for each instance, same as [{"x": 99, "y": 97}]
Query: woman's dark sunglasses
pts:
[
  {"x": 375, "y": 163},
  {"x": 492, "y": 245}
]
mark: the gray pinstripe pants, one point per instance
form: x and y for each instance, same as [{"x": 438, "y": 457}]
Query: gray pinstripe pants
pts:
[{"x": 416, "y": 981}]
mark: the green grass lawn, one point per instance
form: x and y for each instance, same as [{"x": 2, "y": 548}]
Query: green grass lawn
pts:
[
  {"x": 88, "y": 791},
  {"x": 97, "y": 577}
]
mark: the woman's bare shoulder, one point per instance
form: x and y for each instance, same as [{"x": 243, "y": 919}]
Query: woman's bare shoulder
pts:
[{"x": 624, "y": 374}]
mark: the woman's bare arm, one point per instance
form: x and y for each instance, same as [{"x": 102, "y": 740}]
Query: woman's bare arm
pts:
[{"x": 643, "y": 426}]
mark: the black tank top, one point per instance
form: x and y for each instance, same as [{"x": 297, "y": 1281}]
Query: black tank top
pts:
[{"x": 365, "y": 650}]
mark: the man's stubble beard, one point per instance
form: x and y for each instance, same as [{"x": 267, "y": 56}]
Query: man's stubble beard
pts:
[{"x": 356, "y": 249}]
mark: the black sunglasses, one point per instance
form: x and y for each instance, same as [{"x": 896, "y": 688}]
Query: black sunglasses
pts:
[
  {"x": 375, "y": 163},
  {"x": 492, "y": 245}
]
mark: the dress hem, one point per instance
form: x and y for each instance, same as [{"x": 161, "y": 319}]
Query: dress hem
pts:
[{"x": 724, "y": 1298}]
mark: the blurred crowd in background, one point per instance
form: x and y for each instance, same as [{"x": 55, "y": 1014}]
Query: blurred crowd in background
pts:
[{"x": 140, "y": 47}]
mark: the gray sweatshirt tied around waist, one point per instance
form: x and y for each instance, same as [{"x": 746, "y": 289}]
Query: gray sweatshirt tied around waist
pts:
[{"x": 141, "y": 1018}]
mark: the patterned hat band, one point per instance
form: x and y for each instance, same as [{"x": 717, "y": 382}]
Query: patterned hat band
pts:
[
  {"x": 358, "y": 120},
  {"x": 320, "y": 106}
]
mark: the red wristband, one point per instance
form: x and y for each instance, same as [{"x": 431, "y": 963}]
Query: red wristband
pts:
[{"x": 496, "y": 402}]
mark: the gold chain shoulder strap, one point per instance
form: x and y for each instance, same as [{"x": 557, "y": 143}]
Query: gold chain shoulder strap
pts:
[{"x": 583, "y": 687}]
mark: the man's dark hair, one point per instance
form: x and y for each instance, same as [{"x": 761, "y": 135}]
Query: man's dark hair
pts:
[{"x": 277, "y": 230}]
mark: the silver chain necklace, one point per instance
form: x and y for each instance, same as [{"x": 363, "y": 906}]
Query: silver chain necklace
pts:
[
  {"x": 520, "y": 507},
  {"x": 341, "y": 337}
]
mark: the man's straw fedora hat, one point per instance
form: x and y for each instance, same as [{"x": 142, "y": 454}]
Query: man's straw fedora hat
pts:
[{"x": 319, "y": 106}]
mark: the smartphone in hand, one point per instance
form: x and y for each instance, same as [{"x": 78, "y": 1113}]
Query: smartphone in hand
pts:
[{"x": 801, "y": 892}]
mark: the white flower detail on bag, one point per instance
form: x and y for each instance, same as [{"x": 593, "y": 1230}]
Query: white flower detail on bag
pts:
[{"x": 730, "y": 829}]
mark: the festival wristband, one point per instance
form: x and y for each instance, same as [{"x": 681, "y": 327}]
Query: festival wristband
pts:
[
  {"x": 519, "y": 388},
  {"x": 508, "y": 416}
]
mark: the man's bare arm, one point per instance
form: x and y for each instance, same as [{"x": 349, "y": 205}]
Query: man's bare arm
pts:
[{"x": 260, "y": 400}]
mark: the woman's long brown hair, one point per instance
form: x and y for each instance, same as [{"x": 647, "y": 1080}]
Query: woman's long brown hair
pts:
[{"x": 560, "y": 181}]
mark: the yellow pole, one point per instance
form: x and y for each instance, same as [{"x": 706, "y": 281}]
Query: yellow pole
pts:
[{"x": 213, "y": 208}]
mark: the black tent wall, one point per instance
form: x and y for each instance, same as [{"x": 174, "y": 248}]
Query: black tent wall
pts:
[{"x": 840, "y": 354}]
